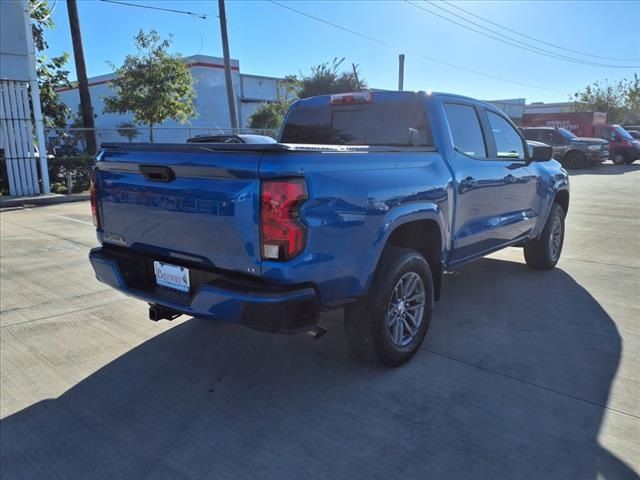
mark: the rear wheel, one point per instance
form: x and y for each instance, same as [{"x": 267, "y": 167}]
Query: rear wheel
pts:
[
  {"x": 390, "y": 323},
  {"x": 544, "y": 252}
]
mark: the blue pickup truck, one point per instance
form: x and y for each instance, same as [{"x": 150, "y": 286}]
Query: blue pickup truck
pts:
[{"x": 362, "y": 204}]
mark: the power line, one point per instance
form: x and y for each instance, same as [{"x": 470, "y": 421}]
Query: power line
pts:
[
  {"x": 417, "y": 54},
  {"x": 510, "y": 40},
  {"x": 203, "y": 16},
  {"x": 537, "y": 39},
  {"x": 540, "y": 50}
]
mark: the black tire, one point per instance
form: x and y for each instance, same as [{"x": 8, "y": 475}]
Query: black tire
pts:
[
  {"x": 540, "y": 254},
  {"x": 577, "y": 160},
  {"x": 619, "y": 157},
  {"x": 367, "y": 323}
]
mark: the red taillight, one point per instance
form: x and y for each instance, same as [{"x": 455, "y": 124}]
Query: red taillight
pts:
[
  {"x": 93, "y": 195},
  {"x": 283, "y": 233}
]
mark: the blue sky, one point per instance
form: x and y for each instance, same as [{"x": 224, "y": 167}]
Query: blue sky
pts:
[{"x": 270, "y": 40}]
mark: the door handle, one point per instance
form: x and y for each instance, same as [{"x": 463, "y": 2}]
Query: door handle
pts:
[
  {"x": 468, "y": 182},
  {"x": 509, "y": 179}
]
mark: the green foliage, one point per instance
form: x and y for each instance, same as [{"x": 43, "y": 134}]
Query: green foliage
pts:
[
  {"x": 78, "y": 166},
  {"x": 619, "y": 100},
  {"x": 50, "y": 72},
  {"x": 153, "y": 84},
  {"x": 128, "y": 130},
  {"x": 324, "y": 79},
  {"x": 269, "y": 115}
]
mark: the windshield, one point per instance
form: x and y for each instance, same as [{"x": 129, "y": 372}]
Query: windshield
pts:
[
  {"x": 622, "y": 132},
  {"x": 401, "y": 123},
  {"x": 566, "y": 134}
]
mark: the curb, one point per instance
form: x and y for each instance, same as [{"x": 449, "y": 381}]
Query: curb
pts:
[{"x": 42, "y": 200}]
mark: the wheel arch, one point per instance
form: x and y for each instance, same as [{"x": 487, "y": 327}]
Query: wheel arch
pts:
[
  {"x": 573, "y": 151},
  {"x": 425, "y": 237}
]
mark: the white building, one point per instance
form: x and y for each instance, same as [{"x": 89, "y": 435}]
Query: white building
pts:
[
  {"x": 251, "y": 92},
  {"x": 556, "y": 107},
  {"x": 513, "y": 108}
]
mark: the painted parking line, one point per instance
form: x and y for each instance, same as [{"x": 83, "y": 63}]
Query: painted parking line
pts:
[{"x": 72, "y": 219}]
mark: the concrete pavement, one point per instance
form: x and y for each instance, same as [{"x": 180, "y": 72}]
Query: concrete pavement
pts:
[{"x": 523, "y": 375}]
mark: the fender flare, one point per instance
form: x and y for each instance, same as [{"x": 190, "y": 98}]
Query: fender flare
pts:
[
  {"x": 559, "y": 186},
  {"x": 403, "y": 215}
]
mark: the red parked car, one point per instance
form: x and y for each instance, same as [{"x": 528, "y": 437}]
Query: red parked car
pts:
[{"x": 623, "y": 148}]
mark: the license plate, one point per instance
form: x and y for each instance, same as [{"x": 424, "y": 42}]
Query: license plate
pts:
[{"x": 172, "y": 276}]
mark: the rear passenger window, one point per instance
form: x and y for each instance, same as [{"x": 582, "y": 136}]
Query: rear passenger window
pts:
[
  {"x": 508, "y": 142},
  {"x": 465, "y": 129}
]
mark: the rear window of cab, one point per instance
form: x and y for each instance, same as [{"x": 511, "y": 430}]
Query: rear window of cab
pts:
[{"x": 364, "y": 121}]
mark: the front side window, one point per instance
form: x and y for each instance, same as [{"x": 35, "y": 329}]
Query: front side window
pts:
[
  {"x": 465, "y": 129},
  {"x": 508, "y": 142},
  {"x": 557, "y": 138},
  {"x": 566, "y": 133}
]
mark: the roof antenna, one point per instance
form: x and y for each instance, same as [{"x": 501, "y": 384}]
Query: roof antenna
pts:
[{"x": 355, "y": 74}]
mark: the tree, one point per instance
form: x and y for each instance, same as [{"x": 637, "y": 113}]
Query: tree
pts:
[
  {"x": 128, "y": 130},
  {"x": 619, "y": 100},
  {"x": 324, "y": 79},
  {"x": 269, "y": 115},
  {"x": 153, "y": 84},
  {"x": 51, "y": 74}
]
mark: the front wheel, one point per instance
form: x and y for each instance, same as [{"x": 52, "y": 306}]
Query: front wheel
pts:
[
  {"x": 619, "y": 157},
  {"x": 575, "y": 160},
  {"x": 544, "y": 252},
  {"x": 390, "y": 323}
]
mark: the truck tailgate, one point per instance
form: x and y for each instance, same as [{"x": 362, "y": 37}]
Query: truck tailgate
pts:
[{"x": 193, "y": 205}]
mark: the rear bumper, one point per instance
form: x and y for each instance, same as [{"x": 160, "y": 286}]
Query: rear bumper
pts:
[{"x": 258, "y": 307}]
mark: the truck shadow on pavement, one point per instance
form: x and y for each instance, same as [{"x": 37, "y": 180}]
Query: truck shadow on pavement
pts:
[{"x": 511, "y": 383}]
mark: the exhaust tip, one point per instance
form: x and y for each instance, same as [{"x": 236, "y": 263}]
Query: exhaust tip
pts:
[{"x": 317, "y": 331}]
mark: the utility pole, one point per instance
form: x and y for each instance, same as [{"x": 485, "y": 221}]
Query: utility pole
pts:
[
  {"x": 231, "y": 98},
  {"x": 401, "y": 72},
  {"x": 81, "y": 72},
  {"x": 355, "y": 74}
]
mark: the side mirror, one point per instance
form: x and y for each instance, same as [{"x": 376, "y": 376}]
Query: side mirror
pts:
[{"x": 541, "y": 153}]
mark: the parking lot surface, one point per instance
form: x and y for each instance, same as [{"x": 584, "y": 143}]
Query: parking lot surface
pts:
[{"x": 523, "y": 374}]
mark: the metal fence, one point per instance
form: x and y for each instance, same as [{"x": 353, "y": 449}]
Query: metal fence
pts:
[
  {"x": 18, "y": 165},
  {"x": 69, "y": 161}
]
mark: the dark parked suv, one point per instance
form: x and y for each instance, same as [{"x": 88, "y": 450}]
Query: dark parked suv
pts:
[{"x": 569, "y": 150}]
